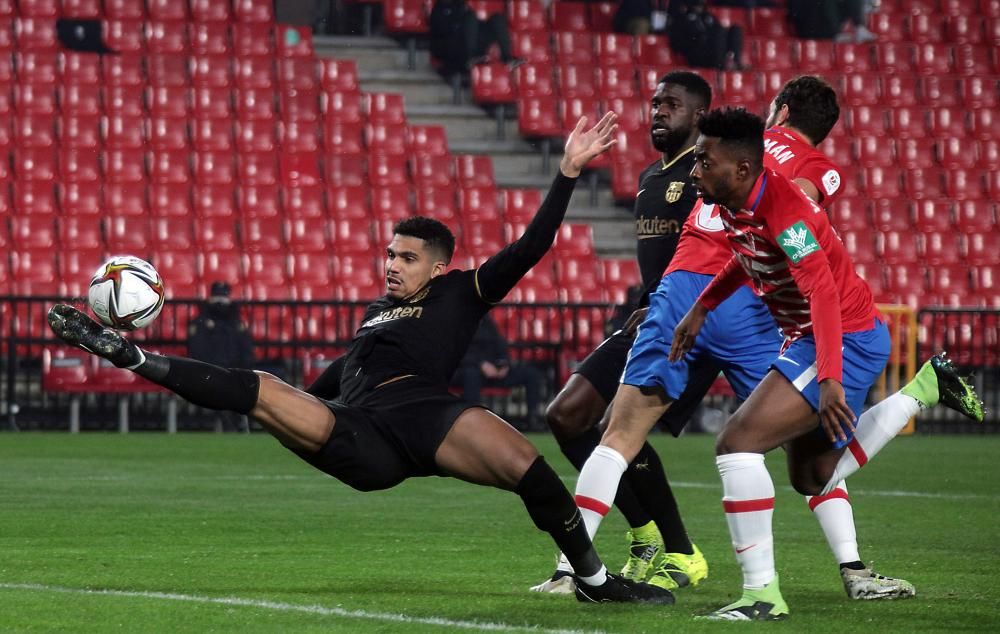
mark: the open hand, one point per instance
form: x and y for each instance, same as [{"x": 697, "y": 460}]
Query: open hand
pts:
[
  {"x": 636, "y": 318},
  {"x": 582, "y": 146}
]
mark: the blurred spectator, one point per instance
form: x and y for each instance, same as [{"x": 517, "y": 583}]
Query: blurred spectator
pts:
[
  {"x": 826, "y": 19},
  {"x": 701, "y": 39},
  {"x": 460, "y": 39},
  {"x": 218, "y": 336},
  {"x": 487, "y": 364},
  {"x": 639, "y": 17}
]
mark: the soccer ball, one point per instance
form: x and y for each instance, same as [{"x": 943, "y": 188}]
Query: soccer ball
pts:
[{"x": 126, "y": 293}]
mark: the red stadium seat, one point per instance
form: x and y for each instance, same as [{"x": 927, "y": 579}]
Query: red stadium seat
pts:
[
  {"x": 899, "y": 89},
  {"x": 337, "y": 75},
  {"x": 962, "y": 184},
  {"x": 921, "y": 184},
  {"x": 262, "y": 235},
  {"x": 299, "y": 105},
  {"x": 933, "y": 59},
  {"x": 739, "y": 88},
  {"x": 535, "y": 80},
  {"x": 216, "y": 234},
  {"x": 212, "y": 71},
  {"x": 298, "y": 73},
  {"x": 984, "y": 122},
  {"x": 575, "y": 240},
  {"x": 124, "y": 166},
  {"x": 169, "y": 101},
  {"x": 183, "y": 266},
  {"x": 255, "y": 104},
  {"x": 405, "y": 17},
  {"x": 35, "y": 67},
  {"x": 173, "y": 234},
  {"x": 35, "y": 100},
  {"x": 79, "y": 165},
  {"x": 539, "y": 117},
  {"x": 80, "y": 233},
  {"x": 520, "y": 204},
  {"x": 35, "y": 34},
  {"x": 437, "y": 202},
  {"x": 78, "y": 199},
  {"x": 254, "y": 11},
  {"x": 303, "y": 202},
  {"x": 35, "y": 164},
  {"x": 975, "y": 61},
  {"x": 577, "y": 81},
  {"x": 981, "y": 248},
  {"x": 624, "y": 179},
  {"x": 772, "y": 55},
  {"x": 573, "y": 47},
  {"x": 169, "y": 166},
  {"x": 212, "y": 135},
  {"x": 909, "y": 122},
  {"x": 972, "y": 216},
  {"x": 387, "y": 170},
  {"x": 875, "y": 151},
  {"x": 882, "y": 182},
  {"x": 255, "y": 73},
  {"x": 127, "y": 234},
  {"x": 39, "y": 8},
  {"x": 570, "y": 111},
  {"x": 344, "y": 138},
  {"x": 478, "y": 204},
  {"x": 123, "y": 133},
  {"x": 214, "y": 201},
  {"x": 889, "y": 215},
  {"x": 905, "y": 278},
  {"x": 428, "y": 140},
  {"x": 979, "y": 92},
  {"x": 948, "y": 278},
  {"x": 602, "y": 16},
  {"x": 654, "y": 51},
  {"x": 221, "y": 264},
  {"x": 532, "y": 46},
  {"x": 940, "y": 248},
  {"x": 483, "y": 239},
  {"x": 387, "y": 108},
  {"x": 258, "y": 168},
  {"x": 854, "y": 58},
  {"x": 210, "y": 11},
  {"x": 252, "y": 40},
  {"x": 129, "y": 199},
  {"x": 898, "y": 247},
  {"x": 125, "y": 101},
  {"x": 384, "y": 138},
  {"x": 125, "y": 36},
  {"x": 474, "y": 170},
  {"x": 390, "y": 202},
  {"x": 923, "y": 28},
  {"x": 343, "y": 106},
  {"x": 351, "y": 237},
  {"x": 893, "y": 58},
  {"x": 348, "y": 202},
  {"x": 614, "y": 49},
  {"x": 491, "y": 83},
  {"x": 769, "y": 23},
  {"x": 916, "y": 153},
  {"x": 617, "y": 82},
  {"x": 80, "y": 100},
  {"x": 168, "y": 71},
  {"x": 298, "y": 137},
  {"x": 76, "y": 69},
  {"x": 345, "y": 170},
  {"x": 432, "y": 171},
  {"x": 940, "y": 91},
  {"x": 570, "y": 16},
  {"x": 860, "y": 89},
  {"x": 253, "y": 136},
  {"x": 989, "y": 154},
  {"x": 813, "y": 56},
  {"x": 866, "y": 121},
  {"x": 526, "y": 15},
  {"x": 122, "y": 70},
  {"x": 168, "y": 134},
  {"x": 307, "y": 235},
  {"x": 167, "y": 10},
  {"x": 932, "y": 216},
  {"x": 258, "y": 201},
  {"x": 167, "y": 38}
]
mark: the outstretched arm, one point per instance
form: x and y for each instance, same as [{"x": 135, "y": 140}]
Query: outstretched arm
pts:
[{"x": 500, "y": 273}]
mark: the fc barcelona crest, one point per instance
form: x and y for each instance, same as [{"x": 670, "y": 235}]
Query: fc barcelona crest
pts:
[{"x": 674, "y": 191}]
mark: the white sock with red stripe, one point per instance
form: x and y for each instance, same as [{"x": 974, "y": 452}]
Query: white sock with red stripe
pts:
[
  {"x": 598, "y": 484},
  {"x": 875, "y": 428},
  {"x": 748, "y": 499},
  {"x": 836, "y": 518}
]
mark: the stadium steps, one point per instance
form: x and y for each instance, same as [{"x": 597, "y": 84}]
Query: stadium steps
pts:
[{"x": 383, "y": 67}]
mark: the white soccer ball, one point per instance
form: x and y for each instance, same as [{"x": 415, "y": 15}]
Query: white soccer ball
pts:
[{"x": 126, "y": 293}]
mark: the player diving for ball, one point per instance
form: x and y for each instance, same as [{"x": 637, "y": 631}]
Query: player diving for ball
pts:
[{"x": 393, "y": 417}]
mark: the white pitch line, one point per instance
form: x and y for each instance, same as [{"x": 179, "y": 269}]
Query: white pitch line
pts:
[{"x": 292, "y": 607}]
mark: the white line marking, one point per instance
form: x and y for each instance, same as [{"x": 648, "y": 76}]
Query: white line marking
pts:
[
  {"x": 854, "y": 491},
  {"x": 292, "y": 607}
]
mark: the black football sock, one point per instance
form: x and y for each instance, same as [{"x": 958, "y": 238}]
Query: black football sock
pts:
[
  {"x": 578, "y": 449},
  {"x": 203, "y": 384},
  {"x": 649, "y": 482},
  {"x": 553, "y": 510},
  {"x": 853, "y": 565}
]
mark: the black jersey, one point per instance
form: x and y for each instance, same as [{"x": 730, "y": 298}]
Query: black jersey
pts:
[
  {"x": 428, "y": 333},
  {"x": 666, "y": 197}
]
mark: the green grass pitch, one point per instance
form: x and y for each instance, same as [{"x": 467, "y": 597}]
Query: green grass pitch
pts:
[{"x": 226, "y": 533}]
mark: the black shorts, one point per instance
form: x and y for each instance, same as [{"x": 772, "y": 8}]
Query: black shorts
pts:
[
  {"x": 604, "y": 366},
  {"x": 391, "y": 434}
]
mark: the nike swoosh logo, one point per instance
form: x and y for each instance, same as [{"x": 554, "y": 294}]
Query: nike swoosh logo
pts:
[
  {"x": 743, "y": 550},
  {"x": 640, "y": 191}
]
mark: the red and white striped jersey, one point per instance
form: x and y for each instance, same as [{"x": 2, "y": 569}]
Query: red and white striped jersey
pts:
[
  {"x": 703, "y": 247},
  {"x": 784, "y": 245}
]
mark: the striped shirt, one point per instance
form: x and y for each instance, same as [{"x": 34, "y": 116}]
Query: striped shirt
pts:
[{"x": 784, "y": 245}]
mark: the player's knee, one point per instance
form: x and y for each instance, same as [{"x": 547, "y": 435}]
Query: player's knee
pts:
[
  {"x": 565, "y": 420},
  {"x": 806, "y": 484}
]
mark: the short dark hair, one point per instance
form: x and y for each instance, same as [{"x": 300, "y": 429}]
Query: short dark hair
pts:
[
  {"x": 738, "y": 129},
  {"x": 435, "y": 233},
  {"x": 694, "y": 83},
  {"x": 812, "y": 106}
]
